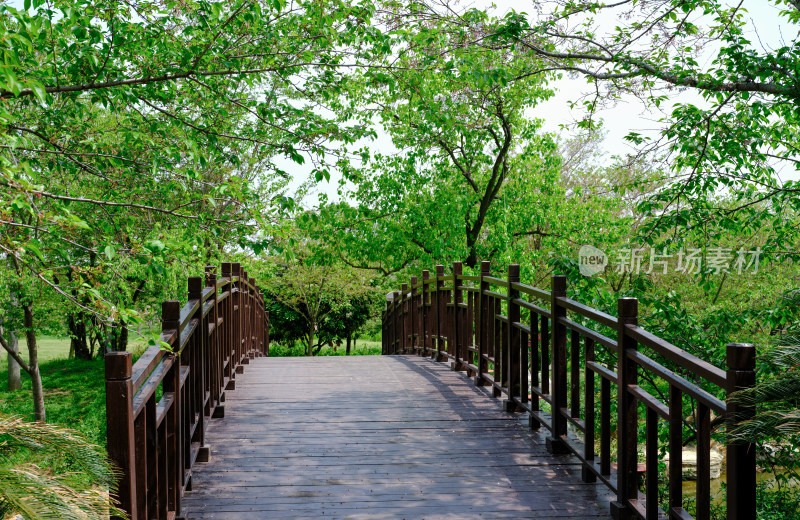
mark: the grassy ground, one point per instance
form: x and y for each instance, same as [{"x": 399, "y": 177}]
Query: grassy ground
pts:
[
  {"x": 74, "y": 396},
  {"x": 50, "y": 348}
]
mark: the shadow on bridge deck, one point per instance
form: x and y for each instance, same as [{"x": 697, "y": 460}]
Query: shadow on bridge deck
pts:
[{"x": 378, "y": 437}]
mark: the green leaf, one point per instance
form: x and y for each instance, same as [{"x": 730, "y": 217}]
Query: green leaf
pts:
[
  {"x": 110, "y": 252},
  {"x": 35, "y": 250}
]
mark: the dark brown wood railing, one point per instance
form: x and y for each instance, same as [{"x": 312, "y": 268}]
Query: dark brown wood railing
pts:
[
  {"x": 546, "y": 352},
  {"x": 158, "y": 409}
]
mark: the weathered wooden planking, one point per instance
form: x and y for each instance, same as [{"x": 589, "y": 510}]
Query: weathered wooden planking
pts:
[{"x": 378, "y": 438}]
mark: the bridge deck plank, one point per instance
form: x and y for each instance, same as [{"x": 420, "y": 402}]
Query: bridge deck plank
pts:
[{"x": 379, "y": 438}]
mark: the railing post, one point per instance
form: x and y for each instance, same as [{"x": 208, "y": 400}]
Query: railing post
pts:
[
  {"x": 458, "y": 334},
  {"x": 426, "y": 315},
  {"x": 741, "y": 456},
  {"x": 119, "y": 424},
  {"x": 214, "y": 364},
  {"x": 398, "y": 329},
  {"x": 199, "y": 365},
  {"x": 558, "y": 344},
  {"x": 483, "y": 325},
  {"x": 405, "y": 309},
  {"x": 226, "y": 339},
  {"x": 413, "y": 309},
  {"x": 440, "y": 312},
  {"x": 178, "y": 449},
  {"x": 627, "y": 416},
  {"x": 512, "y": 363},
  {"x": 236, "y": 322}
]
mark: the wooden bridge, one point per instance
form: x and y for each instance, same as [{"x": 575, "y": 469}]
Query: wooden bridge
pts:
[
  {"x": 378, "y": 437},
  {"x": 208, "y": 426}
]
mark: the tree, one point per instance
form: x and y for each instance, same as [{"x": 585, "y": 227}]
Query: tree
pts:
[
  {"x": 461, "y": 129},
  {"x": 320, "y": 295},
  {"x": 345, "y": 320},
  {"x": 133, "y": 133},
  {"x": 730, "y": 150}
]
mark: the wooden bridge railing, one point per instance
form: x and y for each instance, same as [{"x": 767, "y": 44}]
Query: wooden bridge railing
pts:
[
  {"x": 158, "y": 409},
  {"x": 546, "y": 352}
]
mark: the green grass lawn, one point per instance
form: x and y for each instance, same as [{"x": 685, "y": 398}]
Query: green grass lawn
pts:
[
  {"x": 74, "y": 396},
  {"x": 50, "y": 348}
]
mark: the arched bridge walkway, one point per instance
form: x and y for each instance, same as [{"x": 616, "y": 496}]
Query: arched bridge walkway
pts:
[{"x": 397, "y": 437}]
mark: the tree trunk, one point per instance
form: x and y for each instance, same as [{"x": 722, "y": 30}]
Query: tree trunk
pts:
[
  {"x": 79, "y": 344},
  {"x": 347, "y": 352},
  {"x": 33, "y": 364},
  {"x": 14, "y": 377},
  {"x": 472, "y": 257},
  {"x": 122, "y": 340}
]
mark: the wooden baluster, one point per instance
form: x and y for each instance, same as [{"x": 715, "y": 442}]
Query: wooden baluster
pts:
[
  {"x": 703, "y": 448},
  {"x": 213, "y": 339},
  {"x": 651, "y": 460},
  {"x": 470, "y": 333},
  {"x": 447, "y": 322},
  {"x": 426, "y": 315},
  {"x": 198, "y": 370},
  {"x": 627, "y": 411},
  {"x": 575, "y": 375},
  {"x": 483, "y": 325},
  {"x": 414, "y": 310},
  {"x": 405, "y": 311},
  {"x": 458, "y": 319},
  {"x": 741, "y": 456},
  {"x": 501, "y": 345},
  {"x": 544, "y": 363},
  {"x": 440, "y": 312},
  {"x": 119, "y": 427},
  {"x": 605, "y": 427},
  {"x": 514, "y": 357},
  {"x": 392, "y": 323},
  {"x": 496, "y": 345},
  {"x": 398, "y": 324},
  {"x": 588, "y": 475},
  {"x": 226, "y": 339},
  {"x": 177, "y": 444},
  {"x": 218, "y": 349},
  {"x": 236, "y": 271},
  {"x": 556, "y": 443},
  {"x": 536, "y": 368}
]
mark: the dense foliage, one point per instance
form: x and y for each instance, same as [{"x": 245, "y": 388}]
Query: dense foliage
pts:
[{"x": 142, "y": 140}]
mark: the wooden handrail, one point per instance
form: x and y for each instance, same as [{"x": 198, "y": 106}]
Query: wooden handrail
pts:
[
  {"x": 155, "y": 437},
  {"x": 522, "y": 341}
]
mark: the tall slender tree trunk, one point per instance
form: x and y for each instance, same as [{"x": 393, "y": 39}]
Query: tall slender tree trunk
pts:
[
  {"x": 33, "y": 364},
  {"x": 14, "y": 375},
  {"x": 349, "y": 338}
]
